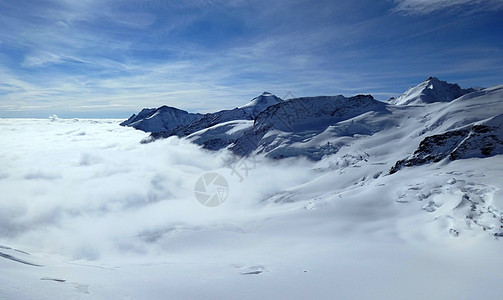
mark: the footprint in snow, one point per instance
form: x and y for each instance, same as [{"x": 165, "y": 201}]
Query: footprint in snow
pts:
[
  {"x": 53, "y": 279},
  {"x": 253, "y": 270}
]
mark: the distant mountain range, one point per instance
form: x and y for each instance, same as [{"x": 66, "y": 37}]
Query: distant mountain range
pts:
[{"x": 444, "y": 121}]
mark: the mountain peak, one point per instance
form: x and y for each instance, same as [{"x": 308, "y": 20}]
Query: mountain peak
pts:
[
  {"x": 429, "y": 91},
  {"x": 160, "y": 119},
  {"x": 260, "y": 103}
]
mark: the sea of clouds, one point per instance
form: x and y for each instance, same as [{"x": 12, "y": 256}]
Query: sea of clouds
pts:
[{"x": 88, "y": 189}]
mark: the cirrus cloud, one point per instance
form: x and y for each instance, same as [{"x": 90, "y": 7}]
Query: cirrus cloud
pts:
[{"x": 429, "y": 6}]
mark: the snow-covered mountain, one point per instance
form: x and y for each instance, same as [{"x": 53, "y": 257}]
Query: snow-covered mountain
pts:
[
  {"x": 171, "y": 121},
  {"x": 429, "y": 91},
  {"x": 293, "y": 128},
  {"x": 161, "y": 119}
]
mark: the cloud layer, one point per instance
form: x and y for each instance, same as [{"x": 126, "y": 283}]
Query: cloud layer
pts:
[
  {"x": 91, "y": 190},
  {"x": 429, "y": 6}
]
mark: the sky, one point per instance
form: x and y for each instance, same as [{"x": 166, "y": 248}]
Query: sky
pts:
[{"x": 111, "y": 58}]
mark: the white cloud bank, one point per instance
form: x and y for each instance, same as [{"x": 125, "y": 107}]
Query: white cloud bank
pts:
[
  {"x": 86, "y": 189},
  {"x": 429, "y": 6}
]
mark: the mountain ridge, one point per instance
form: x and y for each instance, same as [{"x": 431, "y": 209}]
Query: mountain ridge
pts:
[{"x": 315, "y": 127}]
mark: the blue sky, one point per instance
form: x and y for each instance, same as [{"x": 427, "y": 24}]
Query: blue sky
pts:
[{"x": 110, "y": 58}]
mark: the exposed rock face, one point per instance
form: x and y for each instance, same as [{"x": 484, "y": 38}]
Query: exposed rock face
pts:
[{"x": 480, "y": 140}]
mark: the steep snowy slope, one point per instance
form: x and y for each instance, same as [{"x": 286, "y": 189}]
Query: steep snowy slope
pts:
[
  {"x": 292, "y": 128},
  {"x": 429, "y": 91}
]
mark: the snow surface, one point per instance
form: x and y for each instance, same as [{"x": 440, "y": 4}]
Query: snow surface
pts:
[{"x": 87, "y": 212}]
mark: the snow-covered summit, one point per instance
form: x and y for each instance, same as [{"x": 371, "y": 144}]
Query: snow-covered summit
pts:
[
  {"x": 429, "y": 91},
  {"x": 260, "y": 103}
]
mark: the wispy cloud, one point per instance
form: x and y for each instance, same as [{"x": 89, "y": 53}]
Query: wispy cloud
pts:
[
  {"x": 202, "y": 55},
  {"x": 429, "y": 6}
]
